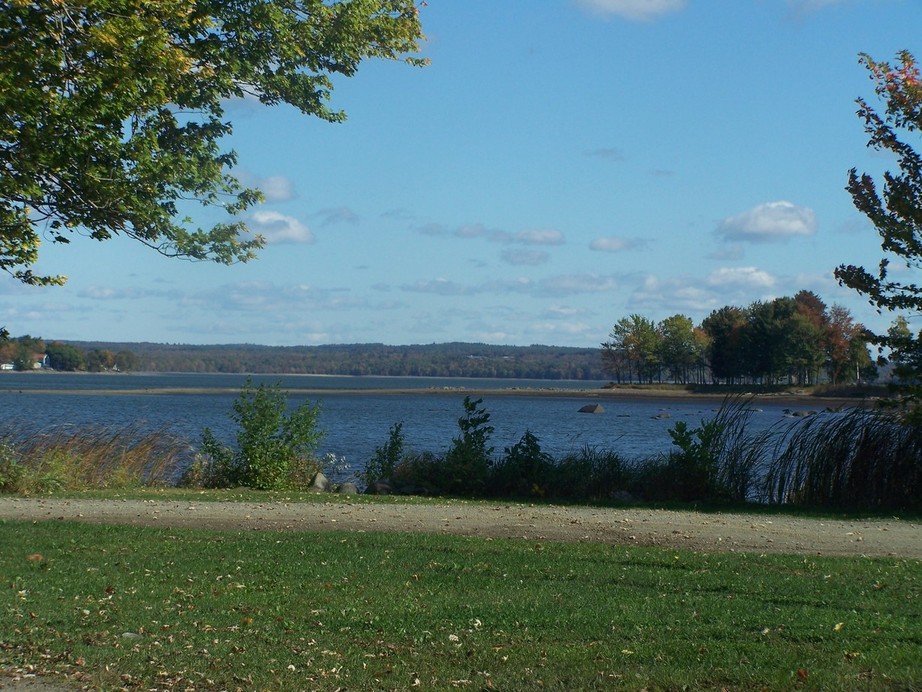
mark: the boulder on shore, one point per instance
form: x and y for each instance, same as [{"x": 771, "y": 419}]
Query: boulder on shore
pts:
[
  {"x": 379, "y": 488},
  {"x": 320, "y": 483}
]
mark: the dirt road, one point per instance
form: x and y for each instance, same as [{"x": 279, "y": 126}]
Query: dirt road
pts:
[{"x": 700, "y": 531}]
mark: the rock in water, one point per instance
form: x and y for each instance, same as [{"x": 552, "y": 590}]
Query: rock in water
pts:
[{"x": 592, "y": 408}]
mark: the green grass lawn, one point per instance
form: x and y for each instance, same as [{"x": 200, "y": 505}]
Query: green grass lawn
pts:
[{"x": 171, "y": 609}]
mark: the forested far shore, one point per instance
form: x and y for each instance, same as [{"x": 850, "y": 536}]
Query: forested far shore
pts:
[{"x": 428, "y": 360}]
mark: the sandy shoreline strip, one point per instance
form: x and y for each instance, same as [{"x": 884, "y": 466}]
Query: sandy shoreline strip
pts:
[{"x": 614, "y": 394}]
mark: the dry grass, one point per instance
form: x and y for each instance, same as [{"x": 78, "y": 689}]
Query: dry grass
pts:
[{"x": 64, "y": 459}]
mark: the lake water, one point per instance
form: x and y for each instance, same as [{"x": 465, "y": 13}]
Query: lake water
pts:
[{"x": 356, "y": 414}]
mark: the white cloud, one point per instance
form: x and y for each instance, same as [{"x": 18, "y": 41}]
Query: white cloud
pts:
[
  {"x": 99, "y": 293},
  {"x": 277, "y": 188},
  {"x": 570, "y": 284},
  {"x": 440, "y": 286},
  {"x": 558, "y": 311},
  {"x": 697, "y": 297},
  {"x": 770, "y": 221},
  {"x": 280, "y": 299},
  {"x": 678, "y": 294},
  {"x": 748, "y": 277},
  {"x": 550, "y": 287},
  {"x": 471, "y": 230},
  {"x": 279, "y": 228},
  {"x": 96, "y": 292},
  {"x": 495, "y": 337},
  {"x": 531, "y": 331},
  {"x": 615, "y": 244},
  {"x": 539, "y": 237},
  {"x": 530, "y": 236},
  {"x": 637, "y": 10},
  {"x": 523, "y": 256}
]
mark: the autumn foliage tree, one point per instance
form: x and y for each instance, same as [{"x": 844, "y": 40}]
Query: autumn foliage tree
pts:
[
  {"x": 112, "y": 111},
  {"x": 894, "y": 208},
  {"x": 633, "y": 347},
  {"x": 788, "y": 340}
]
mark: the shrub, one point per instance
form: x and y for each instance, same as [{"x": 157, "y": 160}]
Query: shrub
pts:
[
  {"x": 691, "y": 472},
  {"x": 274, "y": 446},
  {"x": 524, "y": 469},
  {"x": 419, "y": 473},
  {"x": 590, "y": 474},
  {"x": 715, "y": 461},
  {"x": 215, "y": 467},
  {"x": 467, "y": 463},
  {"x": 386, "y": 458}
]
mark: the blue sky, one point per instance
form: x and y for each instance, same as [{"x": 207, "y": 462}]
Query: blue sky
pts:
[{"x": 559, "y": 165}]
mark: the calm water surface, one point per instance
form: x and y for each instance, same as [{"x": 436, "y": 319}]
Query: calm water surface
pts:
[{"x": 355, "y": 415}]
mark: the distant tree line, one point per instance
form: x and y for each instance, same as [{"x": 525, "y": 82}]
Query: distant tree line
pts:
[
  {"x": 430, "y": 360},
  {"x": 794, "y": 340},
  {"x": 29, "y": 352}
]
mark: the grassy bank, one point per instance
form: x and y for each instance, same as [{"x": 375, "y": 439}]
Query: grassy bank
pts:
[{"x": 158, "y": 609}]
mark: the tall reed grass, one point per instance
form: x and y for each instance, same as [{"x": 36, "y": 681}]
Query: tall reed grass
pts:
[
  {"x": 65, "y": 459},
  {"x": 717, "y": 461},
  {"x": 740, "y": 455},
  {"x": 862, "y": 459}
]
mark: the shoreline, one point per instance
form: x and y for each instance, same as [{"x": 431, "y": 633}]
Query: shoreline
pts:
[{"x": 599, "y": 394}]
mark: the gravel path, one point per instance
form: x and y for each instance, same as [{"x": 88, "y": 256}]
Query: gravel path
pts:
[{"x": 700, "y": 531}]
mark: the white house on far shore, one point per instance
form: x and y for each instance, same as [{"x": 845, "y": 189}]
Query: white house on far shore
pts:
[{"x": 39, "y": 362}]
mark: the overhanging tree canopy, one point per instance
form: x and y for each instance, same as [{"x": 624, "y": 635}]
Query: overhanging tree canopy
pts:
[
  {"x": 896, "y": 209},
  {"x": 111, "y": 111}
]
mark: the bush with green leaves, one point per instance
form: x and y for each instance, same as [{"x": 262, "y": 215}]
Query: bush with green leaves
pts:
[
  {"x": 590, "y": 474},
  {"x": 419, "y": 473},
  {"x": 524, "y": 469},
  {"x": 275, "y": 446},
  {"x": 692, "y": 469},
  {"x": 468, "y": 461},
  {"x": 386, "y": 458},
  {"x": 716, "y": 461},
  {"x": 215, "y": 467}
]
